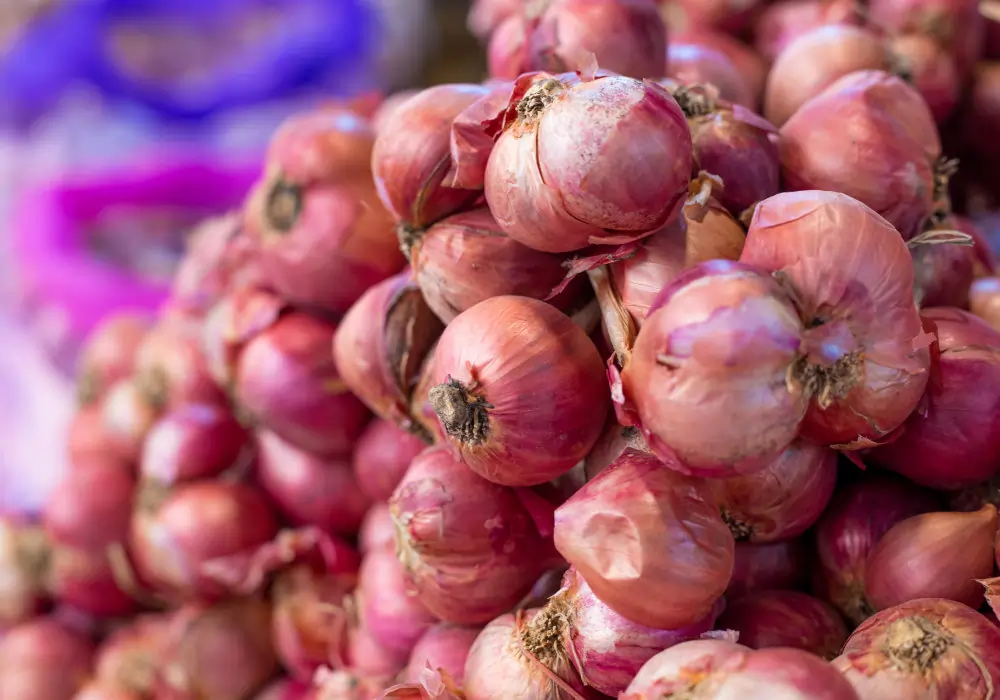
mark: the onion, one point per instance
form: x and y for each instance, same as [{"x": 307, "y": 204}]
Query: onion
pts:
[
  {"x": 287, "y": 380},
  {"x": 467, "y": 258},
  {"x": 933, "y": 555},
  {"x": 859, "y": 515},
  {"x": 984, "y": 300},
  {"x": 784, "y": 21},
  {"x": 865, "y": 361},
  {"x": 551, "y": 195},
  {"x": 760, "y": 567},
  {"x": 637, "y": 527},
  {"x": 389, "y": 106},
  {"x": 381, "y": 344},
  {"x": 171, "y": 368},
  {"x": 91, "y": 507},
  {"x": 86, "y": 581},
  {"x": 953, "y": 440},
  {"x": 88, "y": 438},
  {"x": 783, "y": 499},
  {"x": 720, "y": 670},
  {"x": 816, "y": 60},
  {"x": 509, "y": 375},
  {"x": 486, "y": 15},
  {"x": 285, "y": 689},
  {"x": 126, "y": 419},
  {"x": 744, "y": 58},
  {"x": 720, "y": 338},
  {"x": 235, "y": 320},
  {"x": 381, "y": 457},
  {"x": 43, "y": 660},
  {"x": 693, "y": 64},
  {"x": 109, "y": 354},
  {"x": 347, "y": 685},
  {"x": 194, "y": 441},
  {"x": 369, "y": 658},
  {"x": 732, "y": 17},
  {"x": 321, "y": 236},
  {"x": 890, "y": 159},
  {"x": 221, "y": 652},
  {"x": 444, "y": 647},
  {"x": 626, "y": 37},
  {"x": 411, "y": 156},
  {"x": 377, "y": 529},
  {"x": 130, "y": 657},
  {"x": 923, "y": 648},
  {"x": 943, "y": 274},
  {"x": 24, "y": 555},
  {"x": 931, "y": 70},
  {"x": 197, "y": 523},
  {"x": 957, "y": 25},
  {"x": 310, "y": 490},
  {"x": 786, "y": 619},
  {"x": 395, "y": 617}
]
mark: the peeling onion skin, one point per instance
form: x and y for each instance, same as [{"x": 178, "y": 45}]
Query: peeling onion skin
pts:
[
  {"x": 923, "y": 648},
  {"x": 519, "y": 391},
  {"x": 640, "y": 526},
  {"x": 952, "y": 441},
  {"x": 785, "y": 619},
  {"x": 732, "y": 17},
  {"x": 729, "y": 333},
  {"x": 691, "y": 64},
  {"x": 869, "y": 330},
  {"x": 600, "y": 161}
]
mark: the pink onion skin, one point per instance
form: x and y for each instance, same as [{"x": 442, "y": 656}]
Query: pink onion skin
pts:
[
  {"x": 90, "y": 439},
  {"x": 23, "y": 553},
  {"x": 923, "y": 648},
  {"x": 784, "y": 21},
  {"x": 864, "y": 308},
  {"x": 747, "y": 61},
  {"x": 381, "y": 457},
  {"x": 760, "y": 567},
  {"x": 699, "y": 14},
  {"x": 957, "y": 25},
  {"x": 443, "y": 646},
  {"x": 91, "y": 507},
  {"x": 933, "y": 555},
  {"x": 194, "y": 441},
  {"x": 284, "y": 689},
  {"x": 377, "y": 529},
  {"x": 859, "y": 515},
  {"x": 370, "y": 659},
  {"x": 395, "y": 617},
  {"x": 171, "y": 368},
  {"x": 388, "y": 106},
  {"x": 411, "y": 156},
  {"x": 704, "y": 322},
  {"x": 984, "y": 300},
  {"x": 453, "y": 526},
  {"x": 952, "y": 440},
  {"x": 230, "y": 324},
  {"x": 786, "y": 619},
  {"x": 85, "y": 581},
  {"x": 198, "y": 522},
  {"x": 486, "y": 15},
  {"x": 782, "y": 500},
  {"x": 944, "y": 274},
  {"x": 310, "y": 490},
  {"x": 541, "y": 377},
  {"x": 550, "y": 195},
  {"x": 932, "y": 71},
  {"x": 638, "y": 525},
  {"x": 730, "y": 672},
  {"x": 43, "y": 660},
  {"x": 693, "y": 64},
  {"x": 130, "y": 657},
  {"x": 608, "y": 650},
  {"x": 109, "y": 354},
  {"x": 625, "y": 37},
  {"x": 126, "y": 419},
  {"x": 287, "y": 380}
]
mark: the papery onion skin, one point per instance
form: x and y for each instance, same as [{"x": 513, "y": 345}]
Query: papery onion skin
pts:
[
  {"x": 395, "y": 617},
  {"x": 381, "y": 457},
  {"x": 109, "y": 354},
  {"x": 933, "y": 555},
  {"x": 24, "y": 552},
  {"x": 519, "y": 391},
  {"x": 865, "y": 356},
  {"x": 785, "y": 619},
  {"x": 923, "y": 648},
  {"x": 551, "y": 195},
  {"x": 285, "y": 689},
  {"x": 85, "y": 581},
  {"x": 859, "y": 515},
  {"x": 641, "y": 526},
  {"x": 984, "y": 300},
  {"x": 453, "y": 526},
  {"x": 693, "y": 64},
  {"x": 778, "y": 565},
  {"x": 194, "y": 441},
  {"x": 368, "y": 658},
  {"x": 783, "y": 499},
  {"x": 43, "y": 660},
  {"x": 953, "y": 440},
  {"x": 667, "y": 672},
  {"x": 486, "y": 15},
  {"x": 943, "y": 274},
  {"x": 443, "y": 646},
  {"x": 932, "y": 71},
  {"x": 719, "y": 338},
  {"x": 288, "y": 382}
]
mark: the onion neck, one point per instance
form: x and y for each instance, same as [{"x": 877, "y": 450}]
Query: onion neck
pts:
[
  {"x": 464, "y": 415},
  {"x": 282, "y": 205},
  {"x": 742, "y": 530},
  {"x": 537, "y": 98},
  {"x": 545, "y": 636},
  {"x": 408, "y": 236},
  {"x": 831, "y": 363},
  {"x": 694, "y": 101}
]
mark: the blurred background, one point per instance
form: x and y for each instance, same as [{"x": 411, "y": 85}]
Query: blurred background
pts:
[{"x": 124, "y": 122}]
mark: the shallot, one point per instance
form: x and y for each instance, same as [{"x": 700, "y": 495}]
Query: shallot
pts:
[{"x": 785, "y": 619}]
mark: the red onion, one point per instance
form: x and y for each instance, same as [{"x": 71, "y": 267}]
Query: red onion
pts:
[
  {"x": 388, "y": 107},
  {"x": 377, "y": 529},
  {"x": 197, "y": 523},
  {"x": 381, "y": 344},
  {"x": 859, "y": 515},
  {"x": 732, "y": 17},
  {"x": 126, "y": 419},
  {"x": 952, "y": 440},
  {"x": 744, "y": 58},
  {"x": 395, "y": 617},
  {"x": 91, "y": 507},
  {"x": 639, "y": 526},
  {"x": 720, "y": 670},
  {"x": 411, "y": 156},
  {"x": 549, "y": 194},
  {"x": 890, "y": 159},
  {"x": 519, "y": 391},
  {"x": 194, "y": 441},
  {"x": 288, "y": 381},
  {"x": 86, "y": 581},
  {"x": 786, "y": 619},
  {"x": 627, "y": 37},
  {"x": 129, "y": 659},
  {"x": 109, "y": 354},
  {"x": 444, "y": 647},
  {"x": 88, "y": 438},
  {"x": 931, "y": 70},
  {"x": 733, "y": 333},
  {"x": 943, "y": 274},
  {"x": 467, "y": 258},
  {"x": 760, "y": 567},
  {"x": 381, "y": 457},
  {"x": 486, "y": 15},
  {"x": 24, "y": 555},
  {"x": 693, "y": 64},
  {"x": 310, "y": 490},
  {"x": 933, "y": 555},
  {"x": 864, "y": 357},
  {"x": 453, "y": 527},
  {"x": 321, "y": 236},
  {"x": 984, "y": 300},
  {"x": 957, "y": 25},
  {"x": 171, "y": 368},
  {"x": 783, "y": 499},
  {"x": 221, "y": 652},
  {"x": 923, "y": 648},
  {"x": 784, "y": 21},
  {"x": 43, "y": 660},
  {"x": 235, "y": 320},
  {"x": 369, "y": 658}
]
